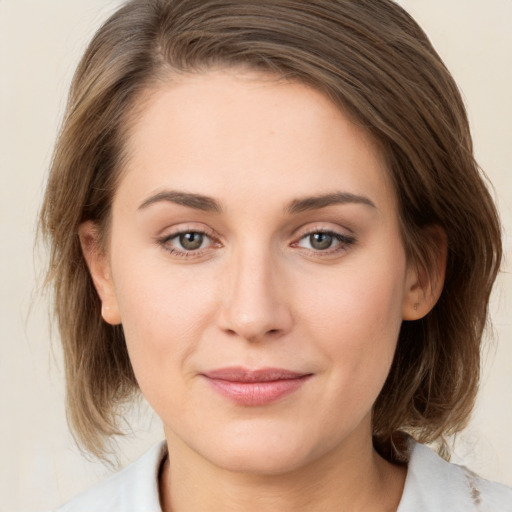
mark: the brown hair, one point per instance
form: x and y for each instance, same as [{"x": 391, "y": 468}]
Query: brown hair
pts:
[{"x": 371, "y": 59}]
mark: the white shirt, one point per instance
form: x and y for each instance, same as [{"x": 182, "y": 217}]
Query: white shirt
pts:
[{"x": 431, "y": 485}]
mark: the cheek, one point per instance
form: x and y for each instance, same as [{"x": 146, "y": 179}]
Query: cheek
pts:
[
  {"x": 355, "y": 315},
  {"x": 355, "y": 300},
  {"x": 163, "y": 310}
]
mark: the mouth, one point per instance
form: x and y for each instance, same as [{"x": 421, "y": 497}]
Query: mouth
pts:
[{"x": 255, "y": 387}]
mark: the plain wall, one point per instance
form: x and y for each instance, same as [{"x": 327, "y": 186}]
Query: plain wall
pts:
[{"x": 40, "y": 44}]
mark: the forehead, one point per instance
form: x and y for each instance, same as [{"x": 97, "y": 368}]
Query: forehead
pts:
[{"x": 225, "y": 132}]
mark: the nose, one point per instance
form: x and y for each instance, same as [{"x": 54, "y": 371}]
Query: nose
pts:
[{"x": 255, "y": 304}]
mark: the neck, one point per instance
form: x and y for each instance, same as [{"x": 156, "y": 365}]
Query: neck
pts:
[{"x": 349, "y": 478}]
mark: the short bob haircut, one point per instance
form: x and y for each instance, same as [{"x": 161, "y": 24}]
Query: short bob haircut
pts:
[{"x": 377, "y": 65}]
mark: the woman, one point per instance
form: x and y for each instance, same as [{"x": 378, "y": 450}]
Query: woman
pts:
[{"x": 266, "y": 216}]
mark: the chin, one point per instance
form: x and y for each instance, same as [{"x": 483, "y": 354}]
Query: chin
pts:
[
  {"x": 263, "y": 452},
  {"x": 260, "y": 459}
]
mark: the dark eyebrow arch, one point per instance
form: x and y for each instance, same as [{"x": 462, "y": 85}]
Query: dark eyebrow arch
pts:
[
  {"x": 196, "y": 201},
  {"x": 322, "y": 201}
]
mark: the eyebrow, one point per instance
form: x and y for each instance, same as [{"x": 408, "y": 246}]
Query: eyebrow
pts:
[
  {"x": 323, "y": 201},
  {"x": 208, "y": 204},
  {"x": 196, "y": 201}
]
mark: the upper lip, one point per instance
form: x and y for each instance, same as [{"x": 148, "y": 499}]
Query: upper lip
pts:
[{"x": 240, "y": 374}]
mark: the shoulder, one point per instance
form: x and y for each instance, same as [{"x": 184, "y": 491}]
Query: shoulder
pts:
[
  {"x": 432, "y": 484},
  {"x": 134, "y": 489}
]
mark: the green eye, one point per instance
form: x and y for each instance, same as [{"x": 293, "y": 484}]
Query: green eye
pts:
[{"x": 321, "y": 241}]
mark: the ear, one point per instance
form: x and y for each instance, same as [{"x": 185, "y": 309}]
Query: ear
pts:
[
  {"x": 425, "y": 282},
  {"x": 99, "y": 267}
]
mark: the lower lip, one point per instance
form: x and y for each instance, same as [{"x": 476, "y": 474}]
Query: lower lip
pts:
[{"x": 257, "y": 393}]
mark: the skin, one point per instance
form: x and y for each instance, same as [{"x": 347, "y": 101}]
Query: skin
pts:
[{"x": 259, "y": 292}]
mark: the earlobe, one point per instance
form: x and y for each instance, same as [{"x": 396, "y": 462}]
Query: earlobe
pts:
[
  {"x": 99, "y": 268},
  {"x": 425, "y": 281}
]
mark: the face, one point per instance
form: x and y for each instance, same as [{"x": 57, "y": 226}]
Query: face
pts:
[{"x": 256, "y": 265}]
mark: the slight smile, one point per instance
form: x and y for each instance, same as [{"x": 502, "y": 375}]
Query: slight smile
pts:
[{"x": 255, "y": 387}]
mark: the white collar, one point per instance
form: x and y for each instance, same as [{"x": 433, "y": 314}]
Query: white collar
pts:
[
  {"x": 432, "y": 485},
  {"x": 134, "y": 489}
]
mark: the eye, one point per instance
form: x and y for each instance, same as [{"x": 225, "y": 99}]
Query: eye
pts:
[
  {"x": 320, "y": 241},
  {"x": 190, "y": 241},
  {"x": 187, "y": 243},
  {"x": 325, "y": 241}
]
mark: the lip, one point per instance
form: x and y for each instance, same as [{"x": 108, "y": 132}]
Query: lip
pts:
[{"x": 255, "y": 387}]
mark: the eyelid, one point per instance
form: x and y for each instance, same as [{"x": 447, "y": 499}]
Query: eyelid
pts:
[
  {"x": 322, "y": 227},
  {"x": 185, "y": 227}
]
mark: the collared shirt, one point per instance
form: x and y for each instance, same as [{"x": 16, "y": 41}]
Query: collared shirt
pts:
[{"x": 431, "y": 485}]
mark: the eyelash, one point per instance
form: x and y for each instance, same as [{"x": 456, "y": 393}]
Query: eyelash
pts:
[
  {"x": 164, "y": 243},
  {"x": 344, "y": 243}
]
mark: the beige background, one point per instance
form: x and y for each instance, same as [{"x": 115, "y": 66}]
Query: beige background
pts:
[{"x": 40, "y": 42}]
